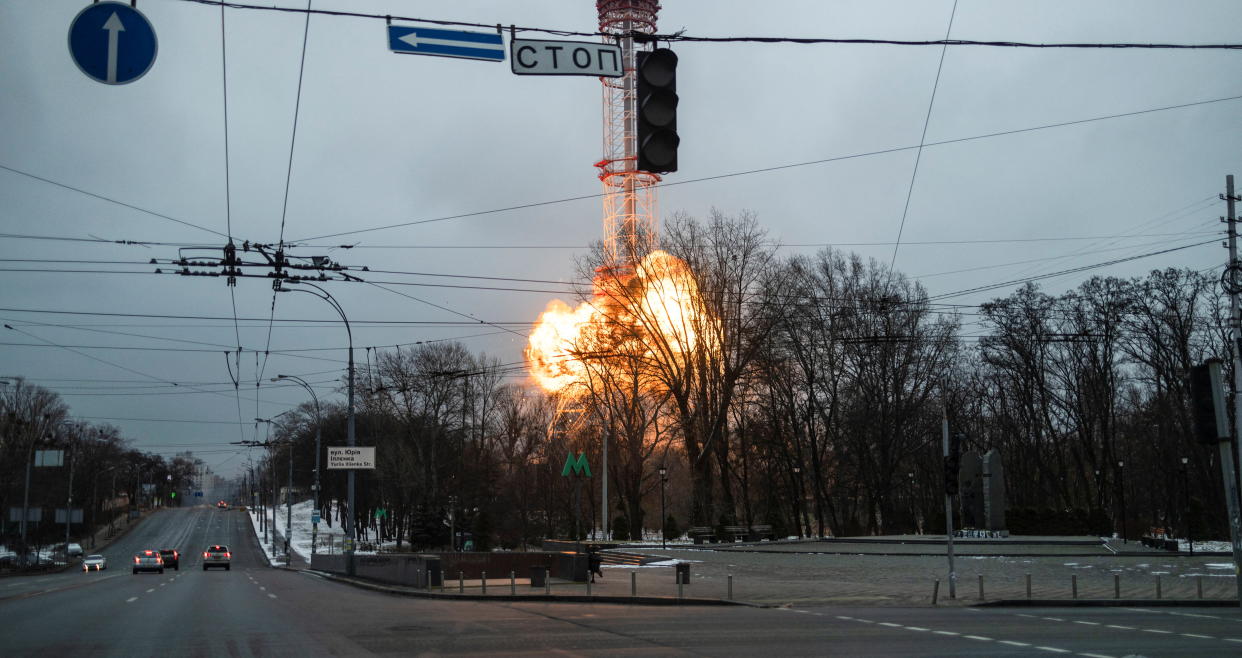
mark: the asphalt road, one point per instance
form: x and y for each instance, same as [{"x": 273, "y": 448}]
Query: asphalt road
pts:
[{"x": 257, "y": 611}]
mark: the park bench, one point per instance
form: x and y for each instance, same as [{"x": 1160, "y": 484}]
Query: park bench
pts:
[
  {"x": 733, "y": 533},
  {"x": 701, "y": 534},
  {"x": 761, "y": 532}
]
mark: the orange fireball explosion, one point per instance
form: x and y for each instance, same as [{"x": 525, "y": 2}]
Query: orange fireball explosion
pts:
[{"x": 660, "y": 304}]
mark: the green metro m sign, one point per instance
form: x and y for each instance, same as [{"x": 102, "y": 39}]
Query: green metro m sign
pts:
[{"x": 578, "y": 466}]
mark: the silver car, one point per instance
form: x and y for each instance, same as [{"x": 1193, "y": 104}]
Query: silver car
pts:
[
  {"x": 94, "y": 563},
  {"x": 217, "y": 556},
  {"x": 148, "y": 560}
]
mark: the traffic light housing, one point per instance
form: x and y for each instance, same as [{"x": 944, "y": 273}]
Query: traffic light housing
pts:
[
  {"x": 656, "y": 76},
  {"x": 952, "y": 464},
  {"x": 1207, "y": 403}
]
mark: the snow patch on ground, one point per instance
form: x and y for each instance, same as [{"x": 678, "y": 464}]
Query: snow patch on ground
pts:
[{"x": 301, "y": 543}]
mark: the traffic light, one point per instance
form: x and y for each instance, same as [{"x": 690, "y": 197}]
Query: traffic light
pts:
[
  {"x": 1207, "y": 403},
  {"x": 657, "y": 111},
  {"x": 952, "y": 464}
]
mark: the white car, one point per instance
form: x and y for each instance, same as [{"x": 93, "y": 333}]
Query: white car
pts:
[
  {"x": 75, "y": 550},
  {"x": 94, "y": 562}
]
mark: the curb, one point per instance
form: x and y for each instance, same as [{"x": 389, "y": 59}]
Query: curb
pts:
[
  {"x": 525, "y": 598},
  {"x": 1108, "y": 603}
]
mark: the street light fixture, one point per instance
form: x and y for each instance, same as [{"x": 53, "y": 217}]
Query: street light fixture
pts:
[
  {"x": 350, "y": 438},
  {"x": 318, "y": 424}
]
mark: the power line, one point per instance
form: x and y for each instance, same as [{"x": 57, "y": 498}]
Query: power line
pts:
[
  {"x": 680, "y": 37},
  {"x": 918, "y": 157},
  {"x": 807, "y": 163},
  {"x": 110, "y": 200}
]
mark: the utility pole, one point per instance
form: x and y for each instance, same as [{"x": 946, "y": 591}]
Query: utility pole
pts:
[
  {"x": 1231, "y": 285},
  {"x": 289, "y": 505},
  {"x": 948, "y": 500}
]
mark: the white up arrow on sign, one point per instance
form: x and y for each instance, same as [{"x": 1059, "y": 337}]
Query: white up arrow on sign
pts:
[{"x": 114, "y": 28}]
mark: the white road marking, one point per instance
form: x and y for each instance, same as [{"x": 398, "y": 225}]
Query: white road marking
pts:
[
  {"x": 890, "y": 624},
  {"x": 978, "y": 637},
  {"x": 1012, "y": 643},
  {"x": 1088, "y": 623},
  {"x": 1119, "y": 627},
  {"x": 1201, "y": 637},
  {"x": 1231, "y": 639},
  {"x": 161, "y": 584},
  {"x": 916, "y": 628},
  {"x": 945, "y": 633},
  {"x": 838, "y": 616},
  {"x": 272, "y": 595},
  {"x": 1156, "y": 630},
  {"x": 150, "y": 590},
  {"x": 131, "y": 599},
  {"x": 261, "y": 589},
  {"x": 1094, "y": 655},
  {"x": 1054, "y": 649}
]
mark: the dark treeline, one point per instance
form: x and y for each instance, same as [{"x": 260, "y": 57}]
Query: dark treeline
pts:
[
  {"x": 806, "y": 393},
  {"x": 107, "y": 475}
]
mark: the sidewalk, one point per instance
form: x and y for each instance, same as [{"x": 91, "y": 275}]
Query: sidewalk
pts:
[{"x": 802, "y": 573}]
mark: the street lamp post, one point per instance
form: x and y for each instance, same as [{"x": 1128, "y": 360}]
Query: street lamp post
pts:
[
  {"x": 1186, "y": 489},
  {"x": 1121, "y": 484},
  {"x": 318, "y": 424},
  {"x": 663, "y": 513},
  {"x": 797, "y": 471},
  {"x": 350, "y": 438}
]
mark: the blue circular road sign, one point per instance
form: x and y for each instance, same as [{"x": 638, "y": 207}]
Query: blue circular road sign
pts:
[{"x": 112, "y": 42}]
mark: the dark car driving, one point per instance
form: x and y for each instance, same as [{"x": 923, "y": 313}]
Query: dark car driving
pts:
[{"x": 171, "y": 557}]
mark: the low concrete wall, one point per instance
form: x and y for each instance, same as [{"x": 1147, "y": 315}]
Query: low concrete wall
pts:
[{"x": 412, "y": 568}]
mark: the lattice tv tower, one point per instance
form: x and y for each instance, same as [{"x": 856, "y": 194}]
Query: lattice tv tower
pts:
[{"x": 629, "y": 200}]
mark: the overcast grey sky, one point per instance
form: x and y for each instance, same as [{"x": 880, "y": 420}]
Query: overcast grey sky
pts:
[{"x": 384, "y": 139}]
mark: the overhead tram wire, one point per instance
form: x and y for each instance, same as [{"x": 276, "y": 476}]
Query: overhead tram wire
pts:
[
  {"x": 228, "y": 214},
  {"x": 110, "y": 200},
  {"x": 918, "y": 157},
  {"x": 748, "y": 172},
  {"x": 680, "y": 37}
]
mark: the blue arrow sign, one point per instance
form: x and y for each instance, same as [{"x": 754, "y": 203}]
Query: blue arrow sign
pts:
[
  {"x": 489, "y": 46},
  {"x": 112, "y": 43}
]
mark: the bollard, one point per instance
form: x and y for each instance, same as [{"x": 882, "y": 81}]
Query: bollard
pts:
[
  {"x": 1157, "y": 587},
  {"x": 429, "y": 580},
  {"x": 1074, "y": 585},
  {"x": 1199, "y": 585},
  {"x": 935, "y": 591},
  {"x": 483, "y": 580},
  {"x": 589, "y": 581},
  {"x": 461, "y": 582},
  {"x": 633, "y": 583},
  {"x": 547, "y": 585},
  {"x": 980, "y": 587},
  {"x": 1116, "y": 586},
  {"x": 512, "y": 584},
  {"x": 679, "y": 592},
  {"x": 730, "y": 598},
  {"x": 1028, "y": 585}
]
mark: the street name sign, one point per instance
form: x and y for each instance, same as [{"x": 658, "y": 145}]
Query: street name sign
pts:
[
  {"x": 487, "y": 46},
  {"x": 546, "y": 57},
  {"x": 112, "y": 43},
  {"x": 346, "y": 457}
]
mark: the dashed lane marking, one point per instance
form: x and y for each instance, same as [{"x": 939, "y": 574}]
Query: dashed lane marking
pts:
[
  {"x": 1086, "y": 623},
  {"x": 1054, "y": 649},
  {"x": 272, "y": 595},
  {"x": 131, "y": 599},
  {"x": 978, "y": 637},
  {"x": 945, "y": 633},
  {"x": 150, "y": 590},
  {"x": 1120, "y": 627},
  {"x": 1014, "y": 643},
  {"x": 1201, "y": 637},
  {"x": 1156, "y": 630}
]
